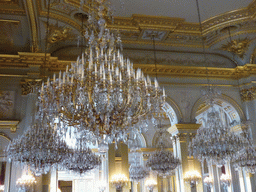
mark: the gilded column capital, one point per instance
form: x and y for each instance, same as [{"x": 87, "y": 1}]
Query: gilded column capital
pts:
[
  {"x": 12, "y": 125},
  {"x": 183, "y": 128},
  {"x": 248, "y": 94}
]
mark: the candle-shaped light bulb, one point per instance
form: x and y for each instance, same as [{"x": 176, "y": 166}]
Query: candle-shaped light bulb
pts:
[
  {"x": 67, "y": 69},
  {"x": 64, "y": 77},
  {"x": 163, "y": 92},
  {"x": 95, "y": 69},
  {"x": 100, "y": 70},
  {"x": 42, "y": 88},
  {"x": 90, "y": 62},
  {"x": 82, "y": 68},
  {"x": 118, "y": 54},
  {"x": 114, "y": 57},
  {"x": 120, "y": 76},
  {"x": 117, "y": 71},
  {"x": 106, "y": 57},
  {"x": 101, "y": 51},
  {"x": 60, "y": 78},
  {"x": 128, "y": 71},
  {"x": 48, "y": 81},
  {"x": 146, "y": 85},
  {"x": 149, "y": 80},
  {"x": 54, "y": 77},
  {"x": 77, "y": 61},
  {"x": 110, "y": 78},
  {"x": 104, "y": 75},
  {"x": 156, "y": 83},
  {"x": 72, "y": 78},
  {"x": 82, "y": 58}
]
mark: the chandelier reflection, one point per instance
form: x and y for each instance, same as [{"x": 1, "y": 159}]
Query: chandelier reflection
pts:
[
  {"x": 192, "y": 178},
  {"x": 208, "y": 182},
  {"x": 225, "y": 181},
  {"x": 26, "y": 182},
  {"x": 150, "y": 184},
  {"x": 1, "y": 188},
  {"x": 119, "y": 181}
]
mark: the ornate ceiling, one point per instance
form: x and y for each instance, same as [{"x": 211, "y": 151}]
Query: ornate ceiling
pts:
[{"x": 178, "y": 40}]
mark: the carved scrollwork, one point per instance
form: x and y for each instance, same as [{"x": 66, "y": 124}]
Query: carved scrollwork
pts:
[
  {"x": 248, "y": 94},
  {"x": 30, "y": 86}
]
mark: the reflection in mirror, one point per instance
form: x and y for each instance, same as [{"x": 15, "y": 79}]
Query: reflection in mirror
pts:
[
  {"x": 2, "y": 172},
  {"x": 65, "y": 186}
]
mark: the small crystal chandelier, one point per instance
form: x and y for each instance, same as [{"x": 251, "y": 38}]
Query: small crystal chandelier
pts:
[
  {"x": 216, "y": 142},
  {"x": 192, "y": 178},
  {"x": 225, "y": 180},
  {"x": 246, "y": 158},
  {"x": 162, "y": 160},
  {"x": 137, "y": 172},
  {"x": 1, "y": 188},
  {"x": 119, "y": 181},
  {"x": 101, "y": 93},
  {"x": 40, "y": 147},
  {"x": 208, "y": 182},
  {"x": 150, "y": 184},
  {"x": 81, "y": 159},
  {"x": 26, "y": 182}
]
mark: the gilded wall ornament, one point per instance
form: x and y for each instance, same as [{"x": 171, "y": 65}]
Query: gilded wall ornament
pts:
[
  {"x": 60, "y": 33},
  {"x": 237, "y": 46},
  {"x": 30, "y": 86},
  {"x": 6, "y": 104},
  {"x": 248, "y": 94}
]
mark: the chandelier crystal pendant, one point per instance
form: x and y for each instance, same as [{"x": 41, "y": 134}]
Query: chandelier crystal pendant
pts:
[
  {"x": 215, "y": 142},
  {"x": 101, "y": 93},
  {"x": 41, "y": 147}
]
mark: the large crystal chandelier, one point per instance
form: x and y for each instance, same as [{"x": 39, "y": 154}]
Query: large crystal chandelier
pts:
[
  {"x": 101, "y": 93},
  {"x": 40, "y": 147},
  {"x": 216, "y": 142}
]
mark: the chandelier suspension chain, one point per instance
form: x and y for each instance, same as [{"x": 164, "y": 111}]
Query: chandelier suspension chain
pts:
[{"x": 203, "y": 41}]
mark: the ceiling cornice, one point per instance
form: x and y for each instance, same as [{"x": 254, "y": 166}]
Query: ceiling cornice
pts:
[{"x": 28, "y": 61}]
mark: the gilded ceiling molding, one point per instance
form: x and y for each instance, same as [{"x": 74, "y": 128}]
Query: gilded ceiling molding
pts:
[
  {"x": 52, "y": 64},
  {"x": 13, "y": 11},
  {"x": 237, "y": 46},
  {"x": 33, "y": 25}
]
